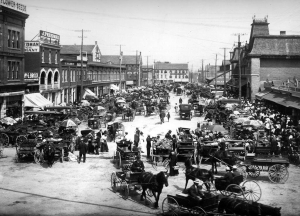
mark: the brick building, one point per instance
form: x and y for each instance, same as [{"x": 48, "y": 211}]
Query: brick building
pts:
[
  {"x": 266, "y": 58},
  {"x": 147, "y": 73},
  {"x": 42, "y": 68},
  {"x": 166, "y": 72},
  {"x": 12, "y": 28}
]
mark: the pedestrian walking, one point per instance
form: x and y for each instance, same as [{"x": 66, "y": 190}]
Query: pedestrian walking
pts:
[
  {"x": 82, "y": 147},
  {"x": 136, "y": 138},
  {"x": 180, "y": 100},
  {"x": 162, "y": 116},
  {"x": 148, "y": 140},
  {"x": 176, "y": 108},
  {"x": 168, "y": 116}
]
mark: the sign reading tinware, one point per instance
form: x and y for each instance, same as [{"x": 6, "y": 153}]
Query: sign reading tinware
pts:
[
  {"x": 31, "y": 76},
  {"x": 49, "y": 38},
  {"x": 32, "y": 46},
  {"x": 13, "y": 5}
]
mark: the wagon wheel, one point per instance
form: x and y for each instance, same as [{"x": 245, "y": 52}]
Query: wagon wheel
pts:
[
  {"x": 278, "y": 173},
  {"x": 252, "y": 190},
  {"x": 234, "y": 190},
  {"x": 115, "y": 183},
  {"x": 166, "y": 164},
  {"x": 170, "y": 207},
  {"x": 4, "y": 138},
  {"x": 126, "y": 190},
  {"x": 119, "y": 159},
  {"x": 149, "y": 192},
  {"x": 198, "y": 211},
  {"x": 20, "y": 139},
  {"x": 253, "y": 171}
]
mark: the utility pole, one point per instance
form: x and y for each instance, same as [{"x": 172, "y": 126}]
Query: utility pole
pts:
[
  {"x": 202, "y": 74},
  {"x": 153, "y": 73},
  {"x": 147, "y": 72},
  {"x": 81, "y": 61},
  {"x": 216, "y": 72},
  {"x": 121, "y": 58},
  {"x": 224, "y": 69}
]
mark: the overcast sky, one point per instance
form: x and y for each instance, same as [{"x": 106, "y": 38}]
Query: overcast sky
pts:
[{"x": 177, "y": 31}]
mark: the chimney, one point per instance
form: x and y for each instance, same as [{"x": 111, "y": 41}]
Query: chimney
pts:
[
  {"x": 95, "y": 42},
  {"x": 282, "y": 33}
]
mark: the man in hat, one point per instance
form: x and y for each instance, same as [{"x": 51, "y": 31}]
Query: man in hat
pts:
[
  {"x": 195, "y": 193},
  {"x": 235, "y": 172},
  {"x": 138, "y": 165},
  {"x": 82, "y": 147}
]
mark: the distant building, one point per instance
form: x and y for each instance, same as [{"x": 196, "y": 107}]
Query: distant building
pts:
[
  {"x": 12, "y": 83},
  {"x": 147, "y": 73},
  {"x": 166, "y": 72}
]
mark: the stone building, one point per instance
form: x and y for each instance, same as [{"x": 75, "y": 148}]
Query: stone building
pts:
[{"x": 166, "y": 72}]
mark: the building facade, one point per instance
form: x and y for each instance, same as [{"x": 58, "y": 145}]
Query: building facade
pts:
[
  {"x": 147, "y": 73},
  {"x": 12, "y": 62},
  {"x": 42, "y": 64},
  {"x": 166, "y": 72}
]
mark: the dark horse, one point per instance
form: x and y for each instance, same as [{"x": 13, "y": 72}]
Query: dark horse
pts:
[
  {"x": 192, "y": 173},
  {"x": 223, "y": 156},
  {"x": 154, "y": 183},
  {"x": 240, "y": 207},
  {"x": 49, "y": 152}
]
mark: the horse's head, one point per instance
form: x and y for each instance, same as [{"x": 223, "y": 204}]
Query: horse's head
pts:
[
  {"x": 188, "y": 163},
  {"x": 162, "y": 178}
]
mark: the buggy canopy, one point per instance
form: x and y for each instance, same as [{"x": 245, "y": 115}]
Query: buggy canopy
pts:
[{"x": 36, "y": 100}]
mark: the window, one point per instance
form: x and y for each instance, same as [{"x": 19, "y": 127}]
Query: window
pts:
[
  {"x": 13, "y": 70},
  {"x": 56, "y": 77},
  {"x": 43, "y": 76},
  {"x": 62, "y": 76},
  {"x": 66, "y": 76},
  {"x": 43, "y": 56},
  {"x": 13, "y": 39},
  {"x": 49, "y": 56},
  {"x": 8, "y": 38},
  {"x": 8, "y": 70},
  {"x": 49, "y": 78},
  {"x": 55, "y": 57},
  {"x": 74, "y": 76},
  {"x": 71, "y": 76},
  {"x": 17, "y": 40},
  {"x": 17, "y": 70}
]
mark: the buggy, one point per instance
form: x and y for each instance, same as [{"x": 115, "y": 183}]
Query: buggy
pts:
[
  {"x": 124, "y": 154},
  {"x": 185, "y": 111}
]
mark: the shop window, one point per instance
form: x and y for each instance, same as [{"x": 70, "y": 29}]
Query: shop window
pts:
[
  {"x": 56, "y": 77},
  {"x": 43, "y": 76},
  {"x": 49, "y": 78},
  {"x": 49, "y": 56}
]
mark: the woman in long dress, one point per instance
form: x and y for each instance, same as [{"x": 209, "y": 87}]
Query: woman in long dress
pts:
[{"x": 173, "y": 164}]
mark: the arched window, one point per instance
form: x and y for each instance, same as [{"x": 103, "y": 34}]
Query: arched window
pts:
[
  {"x": 56, "y": 77},
  {"x": 49, "y": 78},
  {"x": 43, "y": 76}
]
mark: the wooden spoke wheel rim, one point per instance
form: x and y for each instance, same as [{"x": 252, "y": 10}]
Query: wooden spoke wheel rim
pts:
[
  {"x": 234, "y": 190},
  {"x": 278, "y": 173},
  {"x": 20, "y": 139},
  {"x": 4, "y": 138},
  {"x": 170, "y": 207},
  {"x": 198, "y": 211},
  {"x": 253, "y": 171},
  {"x": 252, "y": 190}
]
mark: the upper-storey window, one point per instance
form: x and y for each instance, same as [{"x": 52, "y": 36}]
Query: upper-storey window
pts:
[{"x": 49, "y": 56}]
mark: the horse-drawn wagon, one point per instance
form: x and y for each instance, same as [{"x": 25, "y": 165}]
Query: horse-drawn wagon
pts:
[
  {"x": 124, "y": 153},
  {"x": 185, "y": 111},
  {"x": 25, "y": 149},
  {"x": 160, "y": 153},
  {"x": 186, "y": 146}
]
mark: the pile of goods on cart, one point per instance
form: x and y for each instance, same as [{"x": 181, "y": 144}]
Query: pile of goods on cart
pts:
[{"x": 162, "y": 146}]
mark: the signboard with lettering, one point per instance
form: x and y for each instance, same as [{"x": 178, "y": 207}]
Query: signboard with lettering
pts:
[
  {"x": 32, "y": 46},
  {"x": 13, "y": 5},
  {"x": 49, "y": 38},
  {"x": 31, "y": 76}
]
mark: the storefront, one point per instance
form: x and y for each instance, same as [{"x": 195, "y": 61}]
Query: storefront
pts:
[{"x": 11, "y": 104}]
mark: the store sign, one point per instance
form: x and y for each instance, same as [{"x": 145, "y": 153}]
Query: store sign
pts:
[
  {"x": 31, "y": 76},
  {"x": 129, "y": 82},
  {"x": 13, "y": 5},
  {"x": 50, "y": 38},
  {"x": 32, "y": 46}
]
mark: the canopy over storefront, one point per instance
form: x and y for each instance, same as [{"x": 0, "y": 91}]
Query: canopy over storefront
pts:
[
  {"x": 36, "y": 100},
  {"x": 114, "y": 87},
  {"x": 88, "y": 94}
]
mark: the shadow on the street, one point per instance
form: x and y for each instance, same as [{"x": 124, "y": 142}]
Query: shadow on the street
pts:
[{"x": 79, "y": 202}]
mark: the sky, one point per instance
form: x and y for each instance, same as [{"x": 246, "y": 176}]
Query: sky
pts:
[{"x": 176, "y": 31}]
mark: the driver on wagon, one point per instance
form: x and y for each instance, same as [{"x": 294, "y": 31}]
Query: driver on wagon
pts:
[
  {"x": 138, "y": 165},
  {"x": 195, "y": 192}
]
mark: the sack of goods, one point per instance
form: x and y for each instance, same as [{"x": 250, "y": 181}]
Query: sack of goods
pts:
[{"x": 164, "y": 144}]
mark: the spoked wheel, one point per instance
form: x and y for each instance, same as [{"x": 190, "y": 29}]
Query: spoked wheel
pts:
[
  {"x": 253, "y": 171},
  {"x": 252, "y": 190},
  {"x": 234, "y": 190},
  {"x": 20, "y": 139},
  {"x": 4, "y": 139},
  {"x": 149, "y": 193},
  {"x": 170, "y": 207},
  {"x": 278, "y": 173},
  {"x": 126, "y": 190},
  {"x": 198, "y": 211},
  {"x": 115, "y": 184},
  {"x": 166, "y": 164}
]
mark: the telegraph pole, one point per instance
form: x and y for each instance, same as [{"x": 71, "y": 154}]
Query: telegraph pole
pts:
[
  {"x": 121, "y": 58},
  {"x": 81, "y": 51},
  {"x": 216, "y": 72},
  {"x": 224, "y": 92},
  {"x": 202, "y": 72},
  {"x": 147, "y": 72}
]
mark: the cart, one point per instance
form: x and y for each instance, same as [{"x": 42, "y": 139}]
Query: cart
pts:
[
  {"x": 124, "y": 154},
  {"x": 181, "y": 204},
  {"x": 185, "y": 111},
  {"x": 25, "y": 149},
  {"x": 160, "y": 157},
  {"x": 94, "y": 123}
]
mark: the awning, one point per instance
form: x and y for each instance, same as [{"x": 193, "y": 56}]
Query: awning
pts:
[
  {"x": 114, "y": 87},
  {"x": 284, "y": 100},
  {"x": 260, "y": 95},
  {"x": 88, "y": 94},
  {"x": 36, "y": 100}
]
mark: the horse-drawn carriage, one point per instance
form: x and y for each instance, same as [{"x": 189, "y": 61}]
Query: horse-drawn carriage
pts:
[
  {"x": 124, "y": 153},
  {"x": 179, "y": 91},
  {"x": 25, "y": 149},
  {"x": 186, "y": 147},
  {"x": 185, "y": 111}
]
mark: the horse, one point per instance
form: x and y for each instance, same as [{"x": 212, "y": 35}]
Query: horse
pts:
[
  {"x": 49, "y": 152},
  {"x": 193, "y": 173},
  {"x": 221, "y": 155},
  {"x": 155, "y": 183},
  {"x": 240, "y": 207}
]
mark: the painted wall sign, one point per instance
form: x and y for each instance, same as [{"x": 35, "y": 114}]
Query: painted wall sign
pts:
[
  {"x": 32, "y": 46},
  {"x": 50, "y": 38},
  {"x": 31, "y": 76},
  {"x": 13, "y": 5}
]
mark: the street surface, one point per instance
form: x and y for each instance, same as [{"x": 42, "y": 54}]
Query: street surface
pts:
[{"x": 70, "y": 188}]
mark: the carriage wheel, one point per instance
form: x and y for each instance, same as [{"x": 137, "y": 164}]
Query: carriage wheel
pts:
[
  {"x": 126, "y": 191},
  {"x": 170, "y": 206},
  {"x": 278, "y": 173},
  {"x": 198, "y": 211},
  {"x": 166, "y": 164},
  {"x": 252, "y": 190},
  {"x": 119, "y": 159},
  {"x": 20, "y": 139},
  {"x": 234, "y": 190},
  {"x": 4, "y": 139},
  {"x": 253, "y": 171},
  {"x": 115, "y": 184},
  {"x": 149, "y": 192}
]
